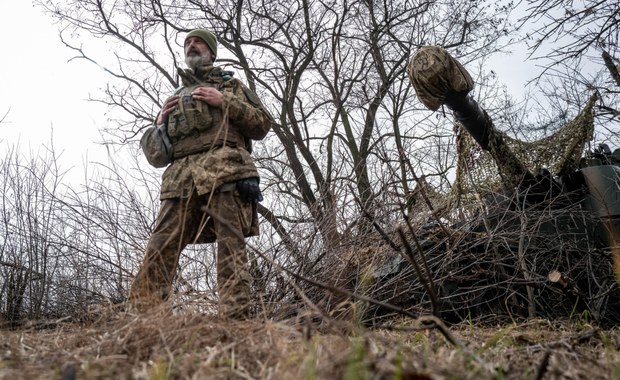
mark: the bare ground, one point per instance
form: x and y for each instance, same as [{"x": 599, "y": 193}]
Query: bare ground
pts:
[{"x": 190, "y": 345}]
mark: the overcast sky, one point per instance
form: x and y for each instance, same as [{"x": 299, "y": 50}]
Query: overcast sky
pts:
[{"x": 46, "y": 95}]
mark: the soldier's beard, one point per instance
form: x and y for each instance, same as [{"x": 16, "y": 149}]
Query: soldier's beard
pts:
[{"x": 194, "y": 61}]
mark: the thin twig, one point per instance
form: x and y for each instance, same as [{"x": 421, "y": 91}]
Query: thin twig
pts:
[
  {"x": 427, "y": 280},
  {"x": 541, "y": 368}
]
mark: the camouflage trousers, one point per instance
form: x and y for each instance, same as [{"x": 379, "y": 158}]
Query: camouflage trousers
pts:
[{"x": 183, "y": 221}]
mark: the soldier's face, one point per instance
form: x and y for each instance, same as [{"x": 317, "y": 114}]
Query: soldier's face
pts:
[
  {"x": 195, "y": 46},
  {"x": 197, "y": 53}
]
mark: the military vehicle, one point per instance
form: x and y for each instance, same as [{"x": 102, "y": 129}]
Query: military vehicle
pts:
[{"x": 528, "y": 243}]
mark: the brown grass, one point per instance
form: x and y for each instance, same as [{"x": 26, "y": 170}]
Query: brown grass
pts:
[{"x": 184, "y": 344}]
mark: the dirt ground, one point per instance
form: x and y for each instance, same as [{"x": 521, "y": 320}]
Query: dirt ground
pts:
[{"x": 190, "y": 345}]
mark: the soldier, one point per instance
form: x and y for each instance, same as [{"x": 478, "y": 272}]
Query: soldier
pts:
[{"x": 210, "y": 190}]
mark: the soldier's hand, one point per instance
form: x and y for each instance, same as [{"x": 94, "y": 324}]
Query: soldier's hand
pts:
[
  {"x": 209, "y": 95},
  {"x": 169, "y": 106}
]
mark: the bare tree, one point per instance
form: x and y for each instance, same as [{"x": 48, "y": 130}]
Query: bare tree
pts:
[
  {"x": 332, "y": 73},
  {"x": 577, "y": 44},
  {"x": 349, "y": 144},
  {"x": 573, "y": 29},
  {"x": 64, "y": 248},
  {"x": 5, "y": 115}
]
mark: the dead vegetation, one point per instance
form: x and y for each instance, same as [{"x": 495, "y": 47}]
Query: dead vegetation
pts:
[{"x": 186, "y": 344}]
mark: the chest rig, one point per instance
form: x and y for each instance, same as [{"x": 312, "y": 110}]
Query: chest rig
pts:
[{"x": 195, "y": 126}]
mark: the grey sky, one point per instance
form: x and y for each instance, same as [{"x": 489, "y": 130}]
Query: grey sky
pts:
[{"x": 43, "y": 91}]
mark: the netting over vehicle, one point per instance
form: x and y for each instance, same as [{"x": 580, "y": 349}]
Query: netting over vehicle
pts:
[
  {"x": 478, "y": 173},
  {"x": 437, "y": 77}
]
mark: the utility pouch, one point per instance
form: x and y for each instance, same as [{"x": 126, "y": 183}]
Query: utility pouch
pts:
[
  {"x": 156, "y": 146},
  {"x": 192, "y": 112}
]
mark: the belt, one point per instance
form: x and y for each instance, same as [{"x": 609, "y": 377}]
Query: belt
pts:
[{"x": 202, "y": 143}]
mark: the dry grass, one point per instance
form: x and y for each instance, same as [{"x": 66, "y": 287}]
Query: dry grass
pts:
[{"x": 189, "y": 345}]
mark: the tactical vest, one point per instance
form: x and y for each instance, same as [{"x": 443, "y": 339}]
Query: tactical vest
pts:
[{"x": 196, "y": 127}]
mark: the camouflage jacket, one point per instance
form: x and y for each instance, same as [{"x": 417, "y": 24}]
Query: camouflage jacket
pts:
[{"x": 210, "y": 143}]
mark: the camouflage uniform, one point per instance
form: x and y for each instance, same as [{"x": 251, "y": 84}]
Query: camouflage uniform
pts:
[{"x": 198, "y": 203}]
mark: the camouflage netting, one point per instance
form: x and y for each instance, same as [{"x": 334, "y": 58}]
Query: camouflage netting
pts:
[
  {"x": 497, "y": 262},
  {"x": 560, "y": 153},
  {"x": 435, "y": 74},
  {"x": 494, "y": 276},
  {"x": 502, "y": 275}
]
